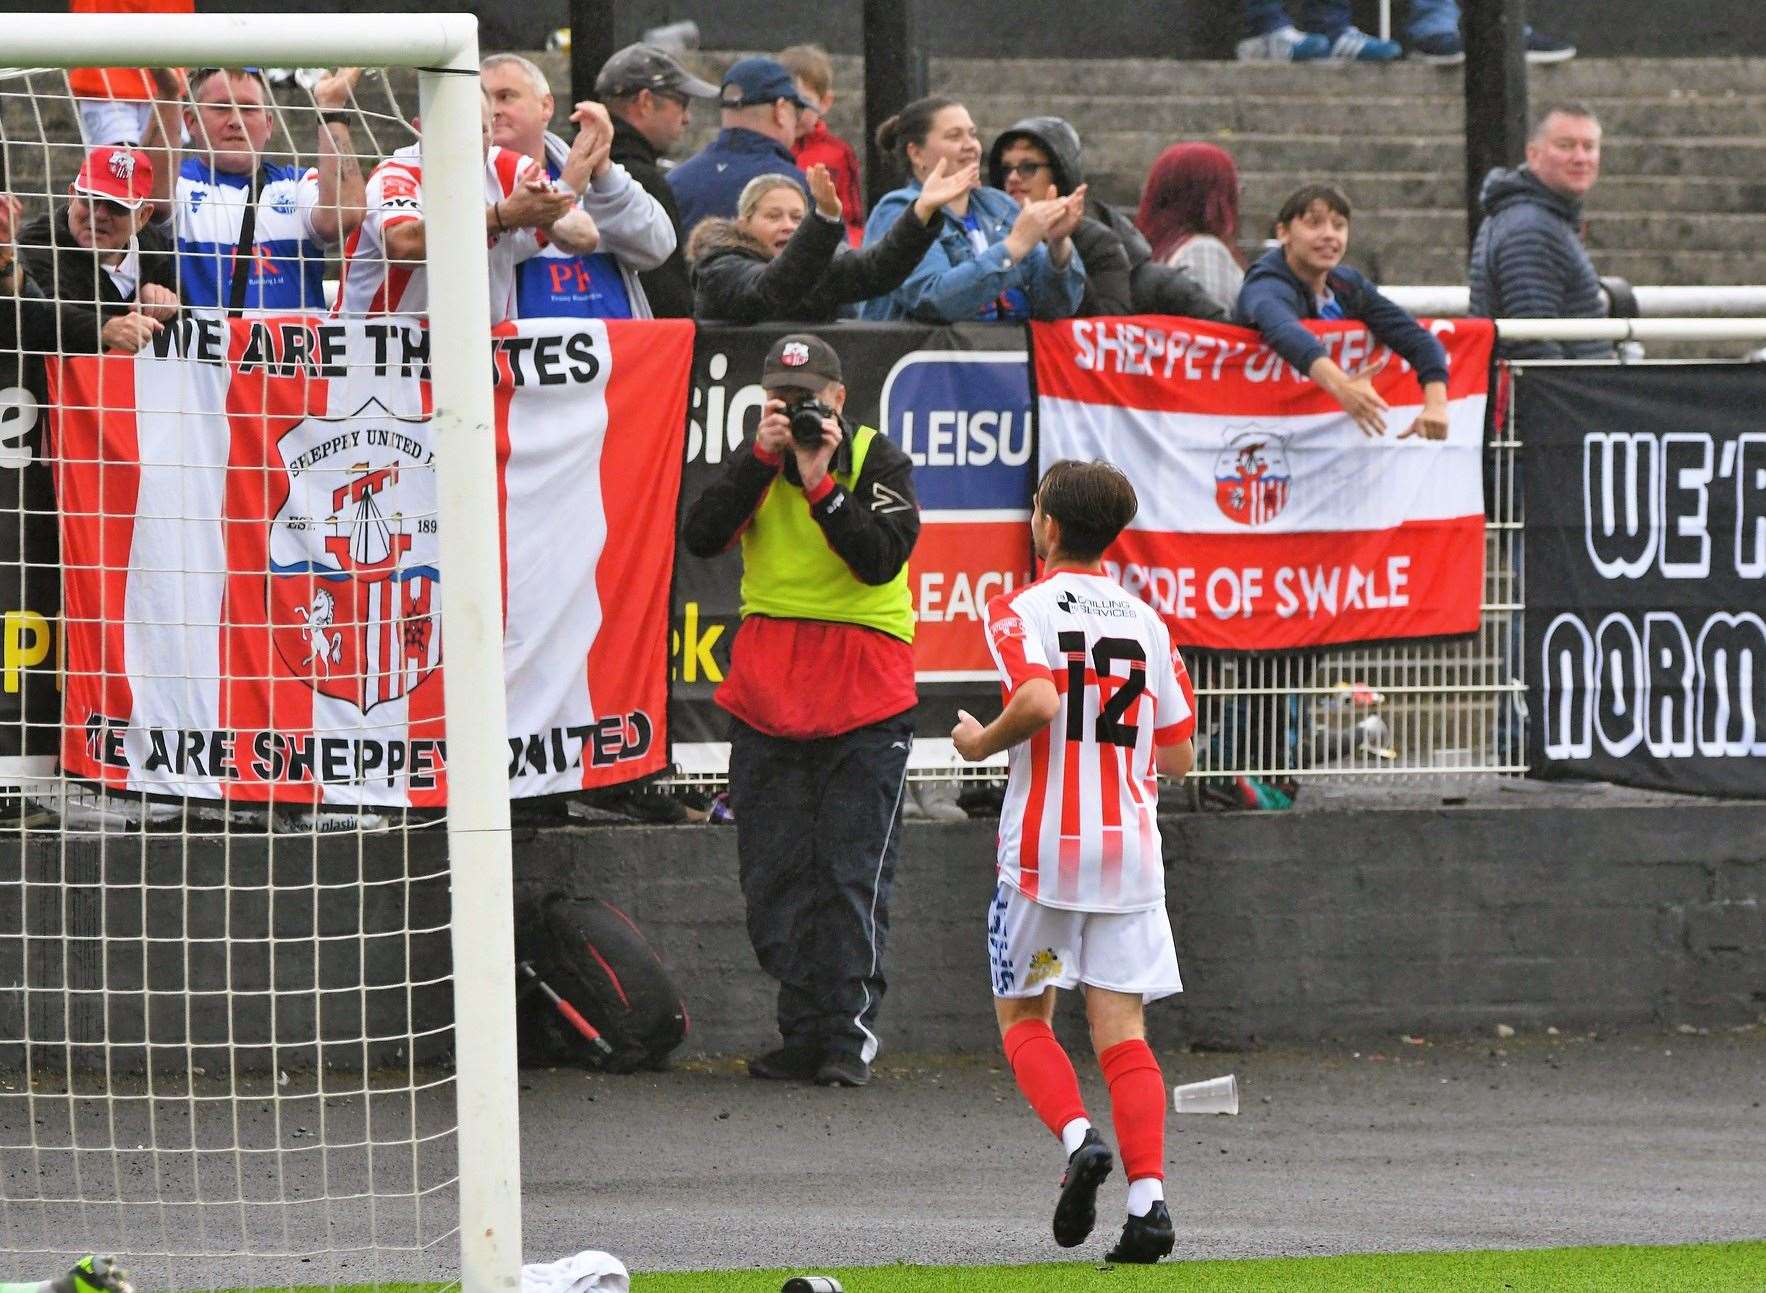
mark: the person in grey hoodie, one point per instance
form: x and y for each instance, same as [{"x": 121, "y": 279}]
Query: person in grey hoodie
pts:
[
  {"x": 636, "y": 232},
  {"x": 1528, "y": 261},
  {"x": 1040, "y": 157}
]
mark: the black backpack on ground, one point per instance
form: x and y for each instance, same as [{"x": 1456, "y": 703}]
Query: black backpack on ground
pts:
[{"x": 590, "y": 989}]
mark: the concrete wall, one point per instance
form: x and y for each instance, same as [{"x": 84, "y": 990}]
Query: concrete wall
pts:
[
  {"x": 1289, "y": 926},
  {"x": 224, "y": 951}
]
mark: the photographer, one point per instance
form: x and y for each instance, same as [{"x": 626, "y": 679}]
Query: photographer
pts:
[{"x": 820, "y": 695}]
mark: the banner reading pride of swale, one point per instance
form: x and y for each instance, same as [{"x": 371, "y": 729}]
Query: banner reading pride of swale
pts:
[
  {"x": 1646, "y": 574},
  {"x": 1267, "y": 519},
  {"x": 252, "y": 584}
]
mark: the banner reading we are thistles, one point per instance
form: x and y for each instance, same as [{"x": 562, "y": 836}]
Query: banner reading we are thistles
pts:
[
  {"x": 252, "y": 577},
  {"x": 1267, "y": 519}
]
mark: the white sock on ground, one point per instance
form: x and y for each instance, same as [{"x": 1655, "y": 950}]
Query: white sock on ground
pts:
[
  {"x": 1073, "y": 1134},
  {"x": 1143, "y": 1193}
]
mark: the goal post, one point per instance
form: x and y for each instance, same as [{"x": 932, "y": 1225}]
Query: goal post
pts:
[{"x": 443, "y": 48}]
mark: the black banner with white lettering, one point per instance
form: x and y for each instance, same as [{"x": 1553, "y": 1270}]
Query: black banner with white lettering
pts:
[
  {"x": 30, "y": 577},
  {"x": 1645, "y": 494},
  {"x": 957, "y": 400}
]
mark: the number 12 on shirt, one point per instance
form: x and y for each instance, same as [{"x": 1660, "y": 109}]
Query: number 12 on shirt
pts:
[{"x": 1105, "y": 653}]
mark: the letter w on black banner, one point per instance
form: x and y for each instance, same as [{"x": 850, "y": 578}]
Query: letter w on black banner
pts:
[{"x": 1645, "y": 499}]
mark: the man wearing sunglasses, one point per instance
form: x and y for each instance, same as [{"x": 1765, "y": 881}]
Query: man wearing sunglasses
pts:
[
  {"x": 649, "y": 97},
  {"x": 98, "y": 255},
  {"x": 253, "y": 234}
]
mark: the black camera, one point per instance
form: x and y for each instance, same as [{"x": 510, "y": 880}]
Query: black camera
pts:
[{"x": 805, "y": 416}]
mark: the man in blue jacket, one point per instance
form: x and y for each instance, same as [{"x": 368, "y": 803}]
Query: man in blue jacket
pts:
[
  {"x": 760, "y": 105},
  {"x": 1528, "y": 261},
  {"x": 1304, "y": 278}
]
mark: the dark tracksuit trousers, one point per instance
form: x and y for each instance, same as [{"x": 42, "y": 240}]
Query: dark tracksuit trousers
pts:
[{"x": 818, "y": 829}]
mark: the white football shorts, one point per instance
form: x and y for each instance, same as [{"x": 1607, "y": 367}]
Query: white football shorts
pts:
[{"x": 1031, "y": 947}]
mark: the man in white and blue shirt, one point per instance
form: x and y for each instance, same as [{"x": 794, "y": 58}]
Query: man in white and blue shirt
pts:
[{"x": 301, "y": 213}]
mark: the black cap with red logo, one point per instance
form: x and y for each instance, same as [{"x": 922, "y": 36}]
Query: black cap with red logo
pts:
[{"x": 802, "y": 361}]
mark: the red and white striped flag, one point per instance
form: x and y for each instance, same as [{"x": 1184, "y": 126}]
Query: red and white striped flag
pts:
[
  {"x": 1267, "y": 518},
  {"x": 252, "y": 579}
]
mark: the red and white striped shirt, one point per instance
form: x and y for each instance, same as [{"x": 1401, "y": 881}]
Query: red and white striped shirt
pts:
[
  {"x": 372, "y": 285},
  {"x": 1079, "y": 829}
]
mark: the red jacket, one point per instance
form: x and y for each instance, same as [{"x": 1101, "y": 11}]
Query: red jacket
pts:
[
  {"x": 823, "y": 146},
  {"x": 119, "y": 82}
]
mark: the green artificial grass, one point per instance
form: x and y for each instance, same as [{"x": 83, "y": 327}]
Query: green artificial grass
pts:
[
  {"x": 1702, "y": 1268},
  {"x": 1688, "y": 1268}
]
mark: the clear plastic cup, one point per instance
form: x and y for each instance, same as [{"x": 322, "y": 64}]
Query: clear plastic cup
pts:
[{"x": 1216, "y": 1095}]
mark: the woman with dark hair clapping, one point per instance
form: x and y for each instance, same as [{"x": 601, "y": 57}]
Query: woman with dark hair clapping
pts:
[{"x": 991, "y": 259}]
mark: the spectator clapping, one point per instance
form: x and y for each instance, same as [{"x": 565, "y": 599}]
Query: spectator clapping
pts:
[
  {"x": 771, "y": 263},
  {"x": 992, "y": 259}
]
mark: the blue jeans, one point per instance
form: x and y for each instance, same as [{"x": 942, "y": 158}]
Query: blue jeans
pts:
[{"x": 1330, "y": 17}]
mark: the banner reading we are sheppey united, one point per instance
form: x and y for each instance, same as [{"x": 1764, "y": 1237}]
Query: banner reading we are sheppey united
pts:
[
  {"x": 1267, "y": 519},
  {"x": 252, "y": 575}
]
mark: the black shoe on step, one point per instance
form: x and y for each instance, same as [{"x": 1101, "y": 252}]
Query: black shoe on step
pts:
[
  {"x": 1145, "y": 1239},
  {"x": 790, "y": 1063},
  {"x": 1077, "y": 1211},
  {"x": 841, "y": 1069}
]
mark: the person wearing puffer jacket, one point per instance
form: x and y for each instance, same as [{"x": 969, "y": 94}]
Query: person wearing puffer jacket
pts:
[
  {"x": 1528, "y": 261},
  {"x": 1040, "y": 158},
  {"x": 773, "y": 263}
]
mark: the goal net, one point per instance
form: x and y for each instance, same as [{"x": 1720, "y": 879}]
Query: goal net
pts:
[{"x": 233, "y": 798}]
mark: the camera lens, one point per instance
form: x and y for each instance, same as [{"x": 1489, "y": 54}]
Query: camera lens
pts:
[{"x": 806, "y": 422}]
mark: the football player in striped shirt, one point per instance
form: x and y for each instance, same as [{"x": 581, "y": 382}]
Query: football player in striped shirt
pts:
[{"x": 1097, "y": 702}]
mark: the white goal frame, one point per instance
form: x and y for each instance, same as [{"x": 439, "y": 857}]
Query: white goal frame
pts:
[{"x": 444, "y": 50}]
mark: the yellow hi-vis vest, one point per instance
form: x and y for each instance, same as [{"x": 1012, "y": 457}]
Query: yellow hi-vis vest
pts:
[{"x": 790, "y": 573}]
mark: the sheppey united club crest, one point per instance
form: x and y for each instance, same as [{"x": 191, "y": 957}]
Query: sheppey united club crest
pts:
[
  {"x": 1252, "y": 479},
  {"x": 354, "y": 590}
]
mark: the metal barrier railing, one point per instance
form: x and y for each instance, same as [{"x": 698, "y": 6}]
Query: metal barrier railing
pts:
[
  {"x": 1392, "y": 712},
  {"x": 1652, "y": 303},
  {"x": 1404, "y": 710}
]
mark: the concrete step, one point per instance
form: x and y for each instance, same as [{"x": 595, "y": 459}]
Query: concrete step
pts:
[
  {"x": 1606, "y": 231},
  {"x": 1413, "y": 263},
  {"x": 1125, "y": 153},
  {"x": 1382, "y": 190},
  {"x": 1579, "y": 79},
  {"x": 1189, "y": 115},
  {"x": 1303, "y": 155}
]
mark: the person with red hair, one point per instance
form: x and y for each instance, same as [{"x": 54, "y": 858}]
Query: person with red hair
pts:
[{"x": 1190, "y": 214}]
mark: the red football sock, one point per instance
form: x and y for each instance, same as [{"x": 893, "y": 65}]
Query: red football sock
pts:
[
  {"x": 1045, "y": 1074},
  {"x": 1137, "y": 1104}
]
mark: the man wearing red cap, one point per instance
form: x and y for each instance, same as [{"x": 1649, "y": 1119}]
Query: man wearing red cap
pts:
[{"x": 131, "y": 281}]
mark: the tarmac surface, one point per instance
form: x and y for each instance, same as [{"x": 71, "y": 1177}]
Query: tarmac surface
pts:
[{"x": 1532, "y": 1141}]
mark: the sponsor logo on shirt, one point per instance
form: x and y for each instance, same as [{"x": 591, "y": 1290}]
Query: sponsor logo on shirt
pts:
[
  {"x": 1075, "y": 604},
  {"x": 1007, "y": 628}
]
